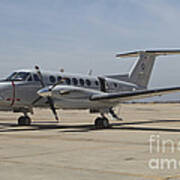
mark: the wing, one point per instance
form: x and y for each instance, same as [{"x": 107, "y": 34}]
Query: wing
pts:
[{"x": 134, "y": 95}]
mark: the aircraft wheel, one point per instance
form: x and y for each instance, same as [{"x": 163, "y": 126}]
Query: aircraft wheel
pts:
[
  {"x": 24, "y": 121},
  {"x": 101, "y": 123}
]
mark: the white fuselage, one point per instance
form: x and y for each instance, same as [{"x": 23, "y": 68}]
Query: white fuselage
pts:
[{"x": 21, "y": 93}]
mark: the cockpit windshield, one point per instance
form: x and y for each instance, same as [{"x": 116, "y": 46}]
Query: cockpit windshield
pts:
[{"x": 18, "y": 76}]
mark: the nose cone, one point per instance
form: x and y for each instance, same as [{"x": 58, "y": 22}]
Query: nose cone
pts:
[
  {"x": 45, "y": 92},
  {"x": 6, "y": 92}
]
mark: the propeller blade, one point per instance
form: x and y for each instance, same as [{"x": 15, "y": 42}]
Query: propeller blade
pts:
[
  {"x": 51, "y": 104},
  {"x": 49, "y": 99},
  {"x": 40, "y": 75},
  {"x": 36, "y": 100}
]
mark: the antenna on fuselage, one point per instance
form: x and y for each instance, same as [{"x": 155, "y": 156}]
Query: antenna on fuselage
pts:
[
  {"x": 90, "y": 72},
  {"x": 61, "y": 70}
]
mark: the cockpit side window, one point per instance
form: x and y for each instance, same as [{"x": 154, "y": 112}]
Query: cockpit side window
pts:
[
  {"x": 11, "y": 76},
  {"x": 18, "y": 76},
  {"x": 29, "y": 78},
  {"x": 36, "y": 78}
]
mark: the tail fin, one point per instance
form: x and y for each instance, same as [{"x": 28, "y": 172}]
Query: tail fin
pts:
[{"x": 141, "y": 72}]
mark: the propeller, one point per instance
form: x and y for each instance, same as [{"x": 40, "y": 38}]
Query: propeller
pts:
[
  {"x": 40, "y": 76},
  {"x": 50, "y": 101},
  {"x": 56, "y": 84},
  {"x": 51, "y": 104}
]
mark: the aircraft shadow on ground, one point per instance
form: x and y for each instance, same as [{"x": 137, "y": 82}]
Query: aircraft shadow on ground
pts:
[{"x": 10, "y": 127}]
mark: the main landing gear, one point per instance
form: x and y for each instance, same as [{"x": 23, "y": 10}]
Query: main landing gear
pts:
[
  {"x": 102, "y": 122},
  {"x": 24, "y": 120},
  {"x": 114, "y": 115}
]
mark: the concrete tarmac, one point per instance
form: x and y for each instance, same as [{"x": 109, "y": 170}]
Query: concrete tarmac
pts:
[{"x": 145, "y": 146}]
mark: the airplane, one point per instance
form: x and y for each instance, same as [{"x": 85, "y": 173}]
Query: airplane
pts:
[{"x": 25, "y": 90}]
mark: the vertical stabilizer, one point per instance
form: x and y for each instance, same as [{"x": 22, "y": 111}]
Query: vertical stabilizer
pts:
[{"x": 140, "y": 73}]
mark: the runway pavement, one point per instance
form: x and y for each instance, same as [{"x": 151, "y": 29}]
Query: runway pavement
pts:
[{"x": 145, "y": 146}]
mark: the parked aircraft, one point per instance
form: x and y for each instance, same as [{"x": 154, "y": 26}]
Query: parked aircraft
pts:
[{"x": 24, "y": 90}]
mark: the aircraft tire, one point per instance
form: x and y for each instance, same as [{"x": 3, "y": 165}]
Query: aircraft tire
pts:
[
  {"x": 24, "y": 121},
  {"x": 101, "y": 123}
]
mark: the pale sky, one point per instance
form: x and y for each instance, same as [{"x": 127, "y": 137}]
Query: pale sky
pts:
[{"x": 79, "y": 35}]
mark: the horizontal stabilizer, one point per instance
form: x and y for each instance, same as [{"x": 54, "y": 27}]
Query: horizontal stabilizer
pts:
[{"x": 149, "y": 52}]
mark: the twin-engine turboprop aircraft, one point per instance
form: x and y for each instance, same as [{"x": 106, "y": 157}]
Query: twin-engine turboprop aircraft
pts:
[{"x": 24, "y": 90}]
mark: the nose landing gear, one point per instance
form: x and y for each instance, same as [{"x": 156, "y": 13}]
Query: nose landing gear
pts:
[{"x": 24, "y": 120}]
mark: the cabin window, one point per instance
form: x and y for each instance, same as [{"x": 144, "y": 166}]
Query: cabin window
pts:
[
  {"x": 68, "y": 81},
  {"x": 115, "y": 85},
  {"x": 59, "y": 78},
  {"x": 88, "y": 82},
  {"x": 96, "y": 83},
  {"x": 75, "y": 81},
  {"x": 52, "y": 79},
  {"x": 81, "y": 82}
]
